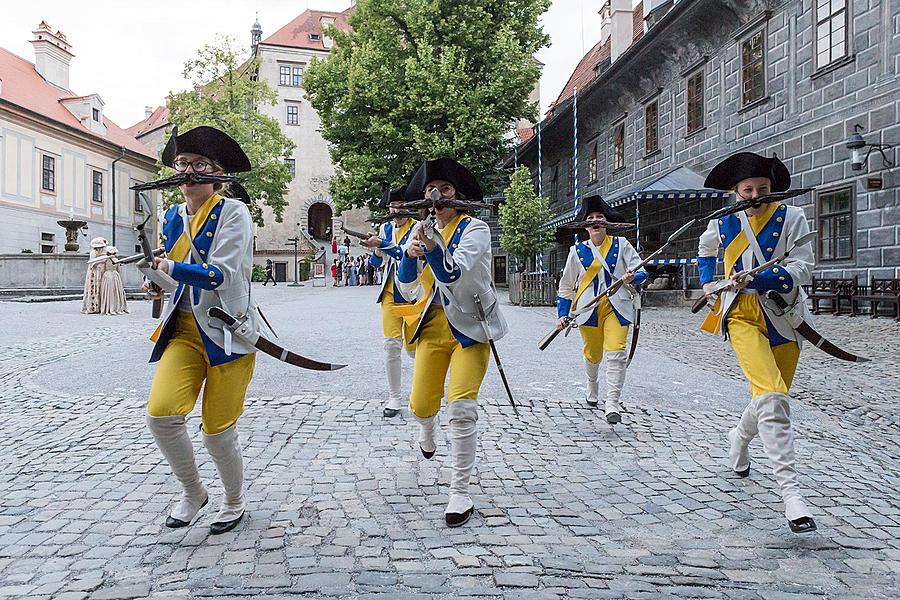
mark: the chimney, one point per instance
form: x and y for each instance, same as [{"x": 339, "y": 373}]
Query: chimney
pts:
[
  {"x": 52, "y": 53},
  {"x": 148, "y": 110},
  {"x": 605, "y": 22},
  {"x": 622, "y": 28}
]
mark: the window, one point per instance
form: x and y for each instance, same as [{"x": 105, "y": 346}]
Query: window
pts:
[
  {"x": 292, "y": 166},
  {"x": 293, "y": 114},
  {"x": 48, "y": 173},
  {"x": 298, "y": 77},
  {"x": 554, "y": 184},
  {"x": 831, "y": 31},
  {"x": 290, "y": 75},
  {"x": 592, "y": 163},
  {"x": 48, "y": 243},
  {"x": 95, "y": 113},
  {"x": 651, "y": 128},
  {"x": 138, "y": 206},
  {"x": 619, "y": 147},
  {"x": 753, "y": 75},
  {"x": 284, "y": 75},
  {"x": 570, "y": 176},
  {"x": 97, "y": 193},
  {"x": 836, "y": 224},
  {"x": 695, "y": 103},
  {"x": 314, "y": 37},
  {"x": 138, "y": 249}
]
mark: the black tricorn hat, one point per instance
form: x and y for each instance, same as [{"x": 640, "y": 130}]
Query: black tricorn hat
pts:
[
  {"x": 209, "y": 142},
  {"x": 466, "y": 185},
  {"x": 392, "y": 195},
  {"x": 596, "y": 203},
  {"x": 744, "y": 165},
  {"x": 239, "y": 192}
]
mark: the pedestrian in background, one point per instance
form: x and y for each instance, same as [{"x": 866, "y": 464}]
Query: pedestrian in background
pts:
[
  {"x": 354, "y": 272},
  {"x": 269, "y": 269},
  {"x": 334, "y": 275},
  {"x": 334, "y": 245},
  {"x": 339, "y": 274}
]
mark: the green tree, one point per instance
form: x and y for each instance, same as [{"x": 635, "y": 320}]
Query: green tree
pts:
[
  {"x": 521, "y": 217},
  {"x": 421, "y": 79},
  {"x": 225, "y": 95}
]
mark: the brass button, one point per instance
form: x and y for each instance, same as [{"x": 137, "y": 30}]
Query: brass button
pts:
[
  {"x": 775, "y": 233},
  {"x": 203, "y": 252},
  {"x": 785, "y": 286},
  {"x": 240, "y": 315},
  {"x": 768, "y": 249},
  {"x": 165, "y": 221},
  {"x": 165, "y": 238},
  {"x": 779, "y": 219},
  {"x": 721, "y": 222},
  {"x": 781, "y": 278},
  {"x": 209, "y": 234},
  {"x": 775, "y": 270},
  {"x": 212, "y": 273},
  {"x": 213, "y": 217},
  {"x": 214, "y": 283}
]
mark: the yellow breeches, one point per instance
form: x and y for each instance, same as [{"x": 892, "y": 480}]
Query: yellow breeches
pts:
[
  {"x": 181, "y": 372},
  {"x": 767, "y": 368},
  {"x": 608, "y": 336},
  {"x": 436, "y": 352},
  {"x": 391, "y": 325}
]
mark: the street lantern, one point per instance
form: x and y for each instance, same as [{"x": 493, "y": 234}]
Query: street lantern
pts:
[{"x": 856, "y": 143}]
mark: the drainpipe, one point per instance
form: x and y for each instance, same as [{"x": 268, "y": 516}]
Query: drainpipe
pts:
[{"x": 121, "y": 156}]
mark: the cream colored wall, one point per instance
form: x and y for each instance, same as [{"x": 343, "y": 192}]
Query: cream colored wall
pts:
[{"x": 26, "y": 210}]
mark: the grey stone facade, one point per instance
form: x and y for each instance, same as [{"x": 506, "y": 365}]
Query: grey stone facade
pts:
[{"x": 805, "y": 115}]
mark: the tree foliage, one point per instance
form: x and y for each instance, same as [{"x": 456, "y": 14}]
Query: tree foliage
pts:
[
  {"x": 521, "y": 217},
  {"x": 419, "y": 79},
  {"x": 226, "y": 96}
]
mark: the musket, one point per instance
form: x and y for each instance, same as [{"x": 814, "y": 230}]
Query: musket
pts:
[
  {"x": 148, "y": 255},
  {"x": 727, "y": 284},
  {"x": 430, "y": 202},
  {"x": 756, "y": 202},
  {"x": 591, "y": 223},
  {"x": 482, "y": 318},
  {"x": 182, "y": 178},
  {"x": 611, "y": 289},
  {"x": 402, "y": 214},
  {"x": 124, "y": 261}
]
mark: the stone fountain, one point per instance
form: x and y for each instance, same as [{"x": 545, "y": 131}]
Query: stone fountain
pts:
[{"x": 72, "y": 226}]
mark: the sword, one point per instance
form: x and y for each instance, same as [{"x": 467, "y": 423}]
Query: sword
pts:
[
  {"x": 261, "y": 343},
  {"x": 147, "y": 251},
  {"x": 612, "y": 289},
  {"x": 124, "y": 261},
  {"x": 810, "y": 334},
  {"x": 487, "y": 332},
  {"x": 726, "y": 284}
]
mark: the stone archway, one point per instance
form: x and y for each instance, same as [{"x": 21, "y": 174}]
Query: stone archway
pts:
[{"x": 318, "y": 218}]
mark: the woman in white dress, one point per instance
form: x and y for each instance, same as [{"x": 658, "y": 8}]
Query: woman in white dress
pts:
[
  {"x": 112, "y": 292},
  {"x": 91, "y": 303}
]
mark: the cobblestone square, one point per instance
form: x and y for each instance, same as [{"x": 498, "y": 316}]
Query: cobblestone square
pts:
[{"x": 342, "y": 505}]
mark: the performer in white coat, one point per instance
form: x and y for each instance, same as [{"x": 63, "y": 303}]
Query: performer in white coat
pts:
[
  {"x": 387, "y": 247},
  {"x": 591, "y": 267},
  {"x": 208, "y": 241},
  {"x": 90, "y": 303},
  {"x": 444, "y": 268},
  {"x": 766, "y": 345}
]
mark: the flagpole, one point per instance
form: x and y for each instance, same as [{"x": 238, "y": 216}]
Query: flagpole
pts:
[{"x": 575, "y": 150}]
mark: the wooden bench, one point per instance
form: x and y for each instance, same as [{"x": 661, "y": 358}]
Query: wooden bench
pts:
[
  {"x": 882, "y": 291},
  {"x": 833, "y": 291}
]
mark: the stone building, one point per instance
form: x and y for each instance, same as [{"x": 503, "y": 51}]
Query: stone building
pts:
[
  {"x": 62, "y": 159},
  {"x": 674, "y": 87}
]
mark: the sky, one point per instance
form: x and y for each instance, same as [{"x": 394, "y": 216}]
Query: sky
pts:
[{"x": 131, "y": 52}]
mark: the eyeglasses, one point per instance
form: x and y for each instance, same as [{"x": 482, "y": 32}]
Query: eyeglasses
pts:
[{"x": 198, "y": 166}]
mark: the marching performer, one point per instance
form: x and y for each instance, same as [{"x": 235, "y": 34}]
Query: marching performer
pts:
[
  {"x": 208, "y": 241},
  {"x": 387, "y": 246},
  {"x": 591, "y": 267},
  {"x": 453, "y": 276},
  {"x": 765, "y": 343}
]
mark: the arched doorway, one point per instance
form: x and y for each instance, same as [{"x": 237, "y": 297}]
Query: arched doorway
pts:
[{"x": 319, "y": 221}]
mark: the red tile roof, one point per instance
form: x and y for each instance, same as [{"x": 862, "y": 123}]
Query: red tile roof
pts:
[
  {"x": 585, "y": 71},
  {"x": 24, "y": 87},
  {"x": 524, "y": 134},
  {"x": 296, "y": 33},
  {"x": 637, "y": 22},
  {"x": 158, "y": 118}
]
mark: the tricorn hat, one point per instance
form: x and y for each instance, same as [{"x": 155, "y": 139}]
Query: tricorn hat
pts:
[
  {"x": 744, "y": 165},
  {"x": 466, "y": 185},
  {"x": 210, "y": 142},
  {"x": 392, "y": 195},
  {"x": 236, "y": 190},
  {"x": 596, "y": 203},
  {"x": 99, "y": 242}
]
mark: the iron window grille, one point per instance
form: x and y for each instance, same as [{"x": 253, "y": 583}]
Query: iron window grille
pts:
[{"x": 836, "y": 229}]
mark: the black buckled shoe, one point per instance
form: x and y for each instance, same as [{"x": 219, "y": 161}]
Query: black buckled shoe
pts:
[
  {"x": 224, "y": 526},
  {"x": 744, "y": 473},
  {"x": 390, "y": 412},
  {"x": 426, "y": 454},
  {"x": 174, "y": 523},
  {"x": 458, "y": 519},
  {"x": 802, "y": 525}
]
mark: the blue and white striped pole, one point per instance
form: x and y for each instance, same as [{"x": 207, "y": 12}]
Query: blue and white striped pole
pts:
[
  {"x": 540, "y": 163},
  {"x": 575, "y": 150}
]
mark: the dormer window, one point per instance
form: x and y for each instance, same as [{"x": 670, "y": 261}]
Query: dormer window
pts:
[
  {"x": 314, "y": 37},
  {"x": 95, "y": 114}
]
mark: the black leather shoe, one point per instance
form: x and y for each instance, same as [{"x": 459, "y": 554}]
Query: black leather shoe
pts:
[
  {"x": 427, "y": 454},
  {"x": 744, "y": 473},
  {"x": 613, "y": 418},
  {"x": 802, "y": 525},
  {"x": 174, "y": 523},
  {"x": 390, "y": 412},
  {"x": 224, "y": 526},
  {"x": 458, "y": 519}
]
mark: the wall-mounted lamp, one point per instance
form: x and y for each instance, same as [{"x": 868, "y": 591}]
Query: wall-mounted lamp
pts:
[{"x": 856, "y": 143}]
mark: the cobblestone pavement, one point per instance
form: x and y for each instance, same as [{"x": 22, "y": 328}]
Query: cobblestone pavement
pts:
[{"x": 340, "y": 504}]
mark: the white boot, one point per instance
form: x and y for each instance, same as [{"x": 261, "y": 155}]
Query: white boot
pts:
[
  {"x": 392, "y": 349},
  {"x": 592, "y": 372},
  {"x": 463, "y": 416},
  {"x": 172, "y": 438},
  {"x": 739, "y": 441},
  {"x": 427, "y": 426},
  {"x": 774, "y": 421},
  {"x": 616, "y": 362},
  {"x": 225, "y": 450}
]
